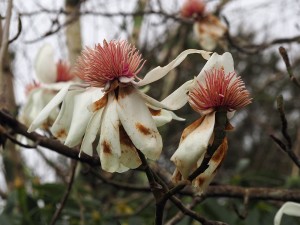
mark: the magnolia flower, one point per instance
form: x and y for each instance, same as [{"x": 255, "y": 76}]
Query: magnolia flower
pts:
[
  {"x": 208, "y": 29},
  {"x": 216, "y": 88},
  {"x": 110, "y": 104},
  {"x": 52, "y": 77}
]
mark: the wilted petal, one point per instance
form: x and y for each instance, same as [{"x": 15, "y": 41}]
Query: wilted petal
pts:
[
  {"x": 81, "y": 115},
  {"x": 45, "y": 66},
  {"x": 203, "y": 180},
  {"x": 36, "y": 101},
  {"x": 193, "y": 146},
  {"x": 109, "y": 148},
  {"x": 91, "y": 132},
  {"x": 179, "y": 97},
  {"x": 129, "y": 156},
  {"x": 138, "y": 122},
  {"x": 288, "y": 208},
  {"x": 44, "y": 114},
  {"x": 159, "y": 72},
  {"x": 162, "y": 116},
  {"x": 61, "y": 126}
]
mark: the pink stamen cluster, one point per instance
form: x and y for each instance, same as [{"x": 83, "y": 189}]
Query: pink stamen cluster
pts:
[
  {"x": 219, "y": 90},
  {"x": 113, "y": 60},
  {"x": 192, "y": 8},
  {"x": 63, "y": 72}
]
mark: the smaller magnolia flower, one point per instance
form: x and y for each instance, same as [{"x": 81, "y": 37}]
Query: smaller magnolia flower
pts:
[
  {"x": 216, "y": 88},
  {"x": 52, "y": 77},
  {"x": 193, "y": 9},
  {"x": 109, "y": 110},
  {"x": 208, "y": 29}
]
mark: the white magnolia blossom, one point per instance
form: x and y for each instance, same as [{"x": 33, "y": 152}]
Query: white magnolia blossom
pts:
[
  {"x": 51, "y": 78},
  {"x": 216, "y": 86},
  {"x": 288, "y": 208},
  {"x": 111, "y": 106}
]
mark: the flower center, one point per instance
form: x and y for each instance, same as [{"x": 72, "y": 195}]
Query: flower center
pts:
[{"x": 114, "y": 60}]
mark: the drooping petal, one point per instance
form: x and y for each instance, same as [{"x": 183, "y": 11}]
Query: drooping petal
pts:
[
  {"x": 203, "y": 180},
  {"x": 193, "y": 146},
  {"x": 36, "y": 101},
  {"x": 129, "y": 157},
  {"x": 91, "y": 132},
  {"x": 81, "y": 115},
  {"x": 288, "y": 208},
  {"x": 109, "y": 148},
  {"x": 44, "y": 114},
  {"x": 61, "y": 126},
  {"x": 162, "y": 116},
  {"x": 45, "y": 66},
  {"x": 138, "y": 122},
  {"x": 159, "y": 72},
  {"x": 179, "y": 97}
]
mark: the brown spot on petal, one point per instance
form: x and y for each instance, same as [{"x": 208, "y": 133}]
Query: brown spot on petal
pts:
[
  {"x": 191, "y": 128},
  {"x": 219, "y": 155},
  {"x": 144, "y": 130},
  {"x": 124, "y": 138},
  {"x": 61, "y": 134},
  {"x": 155, "y": 112},
  {"x": 106, "y": 147},
  {"x": 99, "y": 103},
  {"x": 125, "y": 91}
]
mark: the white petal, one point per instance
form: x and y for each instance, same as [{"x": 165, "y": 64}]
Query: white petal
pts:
[
  {"x": 45, "y": 66},
  {"x": 129, "y": 156},
  {"x": 217, "y": 61},
  {"x": 204, "y": 179},
  {"x": 194, "y": 146},
  {"x": 160, "y": 72},
  {"x": 179, "y": 97},
  {"x": 288, "y": 208},
  {"x": 109, "y": 148},
  {"x": 162, "y": 116},
  {"x": 61, "y": 126},
  {"x": 138, "y": 122},
  {"x": 91, "y": 132},
  {"x": 151, "y": 101},
  {"x": 81, "y": 115},
  {"x": 38, "y": 121}
]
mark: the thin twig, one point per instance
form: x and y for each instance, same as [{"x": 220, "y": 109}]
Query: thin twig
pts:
[
  {"x": 66, "y": 195},
  {"x": 18, "y": 32},
  {"x": 289, "y": 69}
]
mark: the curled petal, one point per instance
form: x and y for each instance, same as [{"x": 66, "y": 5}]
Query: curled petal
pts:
[
  {"x": 179, "y": 97},
  {"x": 193, "y": 146},
  {"x": 159, "y": 72},
  {"x": 138, "y": 122},
  {"x": 44, "y": 114}
]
